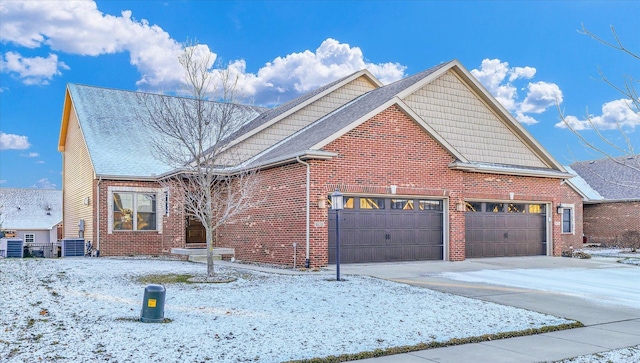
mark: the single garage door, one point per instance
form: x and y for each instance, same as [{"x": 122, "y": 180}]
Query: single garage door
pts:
[
  {"x": 376, "y": 229},
  {"x": 505, "y": 229}
]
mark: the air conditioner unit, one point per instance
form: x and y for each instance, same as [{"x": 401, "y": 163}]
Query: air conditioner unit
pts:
[
  {"x": 12, "y": 247},
  {"x": 73, "y": 247}
]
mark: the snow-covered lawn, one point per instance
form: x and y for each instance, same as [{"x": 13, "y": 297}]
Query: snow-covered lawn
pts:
[
  {"x": 87, "y": 309},
  {"x": 623, "y": 255},
  {"x": 626, "y": 355}
]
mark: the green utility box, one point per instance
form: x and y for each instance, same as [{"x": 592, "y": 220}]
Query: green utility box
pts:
[{"x": 153, "y": 304}]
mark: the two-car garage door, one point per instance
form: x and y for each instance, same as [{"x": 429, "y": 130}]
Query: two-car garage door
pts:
[{"x": 375, "y": 229}]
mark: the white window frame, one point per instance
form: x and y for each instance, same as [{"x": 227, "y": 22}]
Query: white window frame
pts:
[
  {"x": 31, "y": 236},
  {"x": 160, "y": 207},
  {"x": 571, "y": 208}
]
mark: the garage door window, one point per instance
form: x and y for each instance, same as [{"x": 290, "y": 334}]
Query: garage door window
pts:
[
  {"x": 403, "y": 204},
  {"x": 495, "y": 207},
  {"x": 371, "y": 203},
  {"x": 430, "y": 205},
  {"x": 536, "y": 208},
  {"x": 516, "y": 208}
]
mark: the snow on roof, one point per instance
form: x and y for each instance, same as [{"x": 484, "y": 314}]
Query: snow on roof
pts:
[
  {"x": 119, "y": 144},
  {"x": 33, "y": 209},
  {"x": 583, "y": 186}
]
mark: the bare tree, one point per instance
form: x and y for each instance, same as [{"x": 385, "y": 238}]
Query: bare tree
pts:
[
  {"x": 191, "y": 135},
  {"x": 630, "y": 94}
]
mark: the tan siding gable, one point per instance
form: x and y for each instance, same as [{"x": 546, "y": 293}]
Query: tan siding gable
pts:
[
  {"x": 77, "y": 182},
  {"x": 301, "y": 118},
  {"x": 466, "y": 122}
]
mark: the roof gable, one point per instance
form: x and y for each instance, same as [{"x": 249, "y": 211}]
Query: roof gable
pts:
[
  {"x": 276, "y": 124},
  {"x": 463, "y": 112},
  {"x": 30, "y": 209}
]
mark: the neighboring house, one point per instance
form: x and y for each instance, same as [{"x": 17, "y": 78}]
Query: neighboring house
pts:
[
  {"x": 612, "y": 198},
  {"x": 34, "y": 214},
  {"x": 432, "y": 167}
]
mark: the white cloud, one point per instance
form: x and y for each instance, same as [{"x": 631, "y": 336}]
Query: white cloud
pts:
[
  {"x": 541, "y": 96},
  {"x": 44, "y": 183},
  {"x": 619, "y": 113},
  {"x": 13, "y": 142},
  {"x": 30, "y": 155},
  {"x": 79, "y": 27},
  {"x": 498, "y": 78},
  {"x": 34, "y": 70},
  {"x": 2, "y": 181},
  {"x": 296, "y": 73}
]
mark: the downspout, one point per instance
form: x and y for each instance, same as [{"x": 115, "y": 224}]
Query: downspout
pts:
[
  {"x": 307, "y": 261},
  {"x": 98, "y": 217}
]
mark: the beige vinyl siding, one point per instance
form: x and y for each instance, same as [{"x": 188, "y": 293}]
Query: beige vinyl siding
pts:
[
  {"x": 299, "y": 119},
  {"x": 459, "y": 116},
  {"x": 77, "y": 182}
]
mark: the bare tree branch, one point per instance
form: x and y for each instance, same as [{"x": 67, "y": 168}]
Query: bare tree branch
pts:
[
  {"x": 618, "y": 44},
  {"x": 190, "y": 134},
  {"x": 629, "y": 92}
]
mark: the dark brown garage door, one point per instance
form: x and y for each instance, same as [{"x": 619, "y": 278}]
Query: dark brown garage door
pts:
[
  {"x": 387, "y": 229},
  {"x": 505, "y": 229}
]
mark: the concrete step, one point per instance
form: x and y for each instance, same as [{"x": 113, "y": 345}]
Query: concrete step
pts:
[{"x": 203, "y": 258}]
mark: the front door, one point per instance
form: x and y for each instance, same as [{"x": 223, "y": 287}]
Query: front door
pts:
[{"x": 195, "y": 231}]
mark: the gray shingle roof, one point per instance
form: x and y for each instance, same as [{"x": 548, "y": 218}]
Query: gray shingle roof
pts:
[
  {"x": 614, "y": 179},
  {"x": 338, "y": 119},
  {"x": 118, "y": 143},
  {"x": 30, "y": 209},
  {"x": 271, "y": 114}
]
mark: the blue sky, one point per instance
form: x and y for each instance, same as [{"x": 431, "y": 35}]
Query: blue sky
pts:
[{"x": 527, "y": 53}]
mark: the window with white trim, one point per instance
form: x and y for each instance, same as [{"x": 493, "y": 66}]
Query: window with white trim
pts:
[
  {"x": 134, "y": 211},
  {"x": 568, "y": 220},
  {"x": 29, "y": 238}
]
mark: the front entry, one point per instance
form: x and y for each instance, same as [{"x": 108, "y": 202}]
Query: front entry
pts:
[
  {"x": 376, "y": 229},
  {"x": 195, "y": 232}
]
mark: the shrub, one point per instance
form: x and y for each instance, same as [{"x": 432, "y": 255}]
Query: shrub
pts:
[{"x": 630, "y": 239}]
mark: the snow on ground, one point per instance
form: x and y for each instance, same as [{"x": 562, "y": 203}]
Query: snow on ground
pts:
[
  {"x": 626, "y": 355},
  {"x": 619, "y": 285},
  {"x": 87, "y": 309},
  {"x": 623, "y": 255}
]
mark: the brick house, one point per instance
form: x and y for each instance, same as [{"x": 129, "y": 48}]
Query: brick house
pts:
[
  {"x": 432, "y": 168},
  {"x": 612, "y": 199}
]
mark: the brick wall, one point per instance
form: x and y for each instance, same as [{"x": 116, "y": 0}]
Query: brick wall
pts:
[
  {"x": 388, "y": 149},
  {"x": 606, "y": 222},
  {"x": 124, "y": 243},
  {"x": 266, "y": 233},
  {"x": 572, "y": 240}
]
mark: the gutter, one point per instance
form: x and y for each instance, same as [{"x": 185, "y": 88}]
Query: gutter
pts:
[
  {"x": 98, "y": 217},
  {"x": 307, "y": 260},
  {"x": 494, "y": 169}
]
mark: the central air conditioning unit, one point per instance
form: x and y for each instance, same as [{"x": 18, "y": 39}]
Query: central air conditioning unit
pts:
[
  {"x": 11, "y": 247},
  {"x": 73, "y": 247}
]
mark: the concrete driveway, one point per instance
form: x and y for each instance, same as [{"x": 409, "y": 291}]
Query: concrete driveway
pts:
[{"x": 600, "y": 293}]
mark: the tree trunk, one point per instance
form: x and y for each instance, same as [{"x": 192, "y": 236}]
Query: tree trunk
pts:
[{"x": 209, "y": 235}]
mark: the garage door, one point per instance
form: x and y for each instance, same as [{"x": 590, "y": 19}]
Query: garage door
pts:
[
  {"x": 387, "y": 229},
  {"x": 505, "y": 229}
]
